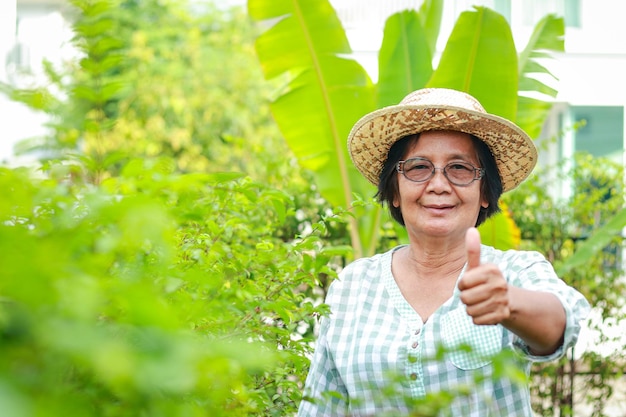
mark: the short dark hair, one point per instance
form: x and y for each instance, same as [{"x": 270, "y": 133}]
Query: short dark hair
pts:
[{"x": 490, "y": 187}]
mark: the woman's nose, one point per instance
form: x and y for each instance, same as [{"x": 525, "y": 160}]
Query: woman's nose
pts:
[{"x": 439, "y": 178}]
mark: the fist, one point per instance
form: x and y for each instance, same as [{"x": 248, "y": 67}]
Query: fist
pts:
[{"x": 484, "y": 291}]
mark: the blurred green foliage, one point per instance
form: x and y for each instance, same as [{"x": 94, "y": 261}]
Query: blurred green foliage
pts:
[
  {"x": 556, "y": 225},
  {"x": 154, "y": 78},
  {"x": 165, "y": 257},
  {"x": 154, "y": 293}
]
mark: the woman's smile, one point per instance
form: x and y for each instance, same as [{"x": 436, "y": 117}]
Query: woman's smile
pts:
[{"x": 438, "y": 209}]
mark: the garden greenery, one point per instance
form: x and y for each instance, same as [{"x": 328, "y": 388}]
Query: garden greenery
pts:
[
  {"x": 154, "y": 293},
  {"x": 169, "y": 256},
  {"x": 165, "y": 257}
]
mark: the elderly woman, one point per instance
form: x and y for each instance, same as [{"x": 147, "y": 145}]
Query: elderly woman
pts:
[{"x": 430, "y": 316}]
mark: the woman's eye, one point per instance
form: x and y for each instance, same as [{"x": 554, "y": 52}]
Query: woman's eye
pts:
[{"x": 459, "y": 167}]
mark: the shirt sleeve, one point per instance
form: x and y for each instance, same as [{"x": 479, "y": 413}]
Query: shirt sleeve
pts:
[
  {"x": 539, "y": 275},
  {"x": 324, "y": 391}
]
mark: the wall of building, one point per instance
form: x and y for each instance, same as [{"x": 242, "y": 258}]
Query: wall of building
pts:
[
  {"x": 30, "y": 31},
  {"x": 7, "y": 40}
]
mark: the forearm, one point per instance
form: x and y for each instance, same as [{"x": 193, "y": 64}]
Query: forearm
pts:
[{"x": 536, "y": 317}]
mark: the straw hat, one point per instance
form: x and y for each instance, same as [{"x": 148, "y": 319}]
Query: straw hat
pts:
[{"x": 441, "y": 109}]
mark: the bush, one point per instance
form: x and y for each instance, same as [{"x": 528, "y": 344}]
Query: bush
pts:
[{"x": 154, "y": 293}]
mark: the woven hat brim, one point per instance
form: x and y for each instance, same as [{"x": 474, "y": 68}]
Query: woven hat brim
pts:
[{"x": 373, "y": 135}]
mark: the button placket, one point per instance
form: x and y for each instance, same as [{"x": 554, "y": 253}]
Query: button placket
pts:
[{"x": 414, "y": 352}]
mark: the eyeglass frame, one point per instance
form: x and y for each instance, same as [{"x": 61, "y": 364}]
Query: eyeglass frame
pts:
[{"x": 479, "y": 173}]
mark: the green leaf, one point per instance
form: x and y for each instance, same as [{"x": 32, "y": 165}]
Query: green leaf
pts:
[
  {"x": 86, "y": 93},
  {"x": 320, "y": 104},
  {"x": 106, "y": 45},
  {"x": 94, "y": 8},
  {"x": 304, "y": 32},
  {"x": 531, "y": 115},
  {"x": 405, "y": 58},
  {"x": 336, "y": 250},
  {"x": 222, "y": 177},
  {"x": 598, "y": 241},
  {"x": 500, "y": 231},
  {"x": 110, "y": 90},
  {"x": 480, "y": 59},
  {"x": 93, "y": 27},
  {"x": 101, "y": 66},
  {"x": 430, "y": 13},
  {"x": 324, "y": 96},
  {"x": 38, "y": 98},
  {"x": 532, "y": 84},
  {"x": 547, "y": 37}
]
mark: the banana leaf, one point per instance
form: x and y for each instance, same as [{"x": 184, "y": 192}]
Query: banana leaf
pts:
[
  {"x": 500, "y": 231},
  {"x": 430, "y": 14},
  {"x": 595, "y": 243},
  {"x": 404, "y": 59},
  {"x": 325, "y": 92},
  {"x": 548, "y": 36},
  {"x": 324, "y": 95},
  {"x": 480, "y": 58}
]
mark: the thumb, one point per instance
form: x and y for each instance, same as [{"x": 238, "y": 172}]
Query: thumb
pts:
[{"x": 472, "y": 246}]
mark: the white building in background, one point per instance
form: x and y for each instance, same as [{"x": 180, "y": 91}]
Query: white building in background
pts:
[{"x": 30, "y": 31}]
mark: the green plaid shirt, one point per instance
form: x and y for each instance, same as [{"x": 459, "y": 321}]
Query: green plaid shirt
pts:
[{"x": 374, "y": 355}]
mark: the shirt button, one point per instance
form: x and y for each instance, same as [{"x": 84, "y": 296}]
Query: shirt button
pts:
[
  {"x": 415, "y": 345},
  {"x": 417, "y": 332},
  {"x": 413, "y": 376}
]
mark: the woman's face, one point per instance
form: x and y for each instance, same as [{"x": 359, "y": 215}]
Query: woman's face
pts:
[{"x": 437, "y": 207}]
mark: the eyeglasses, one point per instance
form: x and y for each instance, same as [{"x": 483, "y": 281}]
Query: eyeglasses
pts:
[{"x": 421, "y": 170}]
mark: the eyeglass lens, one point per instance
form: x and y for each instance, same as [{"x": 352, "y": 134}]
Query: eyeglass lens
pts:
[{"x": 420, "y": 170}]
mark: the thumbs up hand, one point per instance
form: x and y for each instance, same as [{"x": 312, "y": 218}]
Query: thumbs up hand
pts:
[{"x": 484, "y": 291}]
